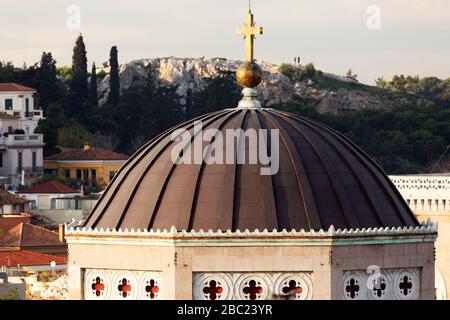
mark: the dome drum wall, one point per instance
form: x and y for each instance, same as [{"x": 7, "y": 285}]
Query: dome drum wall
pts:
[
  {"x": 323, "y": 180},
  {"x": 186, "y": 256}
]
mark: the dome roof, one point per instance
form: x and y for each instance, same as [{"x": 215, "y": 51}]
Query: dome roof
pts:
[{"x": 323, "y": 180}]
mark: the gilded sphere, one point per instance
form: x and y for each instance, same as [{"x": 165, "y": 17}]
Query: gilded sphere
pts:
[{"x": 249, "y": 75}]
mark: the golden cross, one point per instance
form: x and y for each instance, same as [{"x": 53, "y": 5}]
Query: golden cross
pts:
[{"x": 249, "y": 31}]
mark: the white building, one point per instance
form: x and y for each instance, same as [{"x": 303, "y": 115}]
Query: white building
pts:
[
  {"x": 21, "y": 150},
  {"x": 428, "y": 196},
  {"x": 57, "y": 202},
  {"x": 43, "y": 196}
]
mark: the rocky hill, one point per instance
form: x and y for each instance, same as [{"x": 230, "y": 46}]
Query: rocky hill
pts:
[{"x": 194, "y": 76}]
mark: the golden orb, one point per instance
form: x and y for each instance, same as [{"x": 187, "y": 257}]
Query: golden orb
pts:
[{"x": 249, "y": 75}]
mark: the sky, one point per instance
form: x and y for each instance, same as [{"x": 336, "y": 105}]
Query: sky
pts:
[{"x": 372, "y": 37}]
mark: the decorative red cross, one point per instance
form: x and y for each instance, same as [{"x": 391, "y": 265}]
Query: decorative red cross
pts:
[
  {"x": 213, "y": 290},
  {"x": 98, "y": 286},
  {"x": 405, "y": 285},
  {"x": 124, "y": 288},
  {"x": 352, "y": 288},
  {"x": 253, "y": 290},
  {"x": 152, "y": 288},
  {"x": 378, "y": 289},
  {"x": 292, "y": 288}
]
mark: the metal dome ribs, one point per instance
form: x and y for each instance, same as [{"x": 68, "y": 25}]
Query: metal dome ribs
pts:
[{"x": 323, "y": 180}]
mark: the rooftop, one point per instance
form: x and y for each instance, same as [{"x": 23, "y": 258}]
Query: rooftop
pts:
[
  {"x": 14, "y": 87},
  {"x": 28, "y": 258},
  {"x": 87, "y": 154},
  {"x": 9, "y": 198},
  {"x": 9, "y": 221},
  {"x": 52, "y": 186},
  {"x": 29, "y": 235}
]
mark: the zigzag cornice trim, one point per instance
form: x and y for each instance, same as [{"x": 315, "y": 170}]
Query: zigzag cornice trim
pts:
[{"x": 428, "y": 228}]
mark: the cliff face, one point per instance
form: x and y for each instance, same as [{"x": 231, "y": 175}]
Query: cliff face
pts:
[{"x": 195, "y": 76}]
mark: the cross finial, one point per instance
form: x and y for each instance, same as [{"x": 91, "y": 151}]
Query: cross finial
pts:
[{"x": 249, "y": 31}]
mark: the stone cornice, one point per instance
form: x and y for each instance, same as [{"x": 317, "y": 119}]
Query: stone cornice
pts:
[{"x": 425, "y": 233}]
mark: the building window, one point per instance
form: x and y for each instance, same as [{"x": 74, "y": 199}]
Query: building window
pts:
[
  {"x": 8, "y": 104},
  {"x": 10, "y": 129},
  {"x": 20, "y": 162},
  {"x": 78, "y": 174},
  {"x": 33, "y": 204},
  {"x": 1, "y": 159},
  {"x": 85, "y": 174},
  {"x": 34, "y": 161},
  {"x": 50, "y": 172},
  {"x": 66, "y": 173},
  {"x": 93, "y": 174},
  {"x": 112, "y": 174}
]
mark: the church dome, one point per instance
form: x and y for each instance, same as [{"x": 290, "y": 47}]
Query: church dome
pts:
[{"x": 323, "y": 180}]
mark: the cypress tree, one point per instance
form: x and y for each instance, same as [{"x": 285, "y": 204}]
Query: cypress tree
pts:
[
  {"x": 79, "y": 83},
  {"x": 114, "y": 83},
  {"x": 47, "y": 81},
  {"x": 93, "y": 87}
]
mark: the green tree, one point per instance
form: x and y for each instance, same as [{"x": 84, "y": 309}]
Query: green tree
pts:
[
  {"x": 25, "y": 75},
  {"x": 64, "y": 72},
  {"x": 381, "y": 83},
  {"x": 402, "y": 139},
  {"x": 310, "y": 70},
  {"x": 295, "y": 73},
  {"x": 73, "y": 136},
  {"x": 49, "y": 127},
  {"x": 430, "y": 87},
  {"x": 144, "y": 112},
  {"x": 93, "y": 87},
  {"x": 287, "y": 69},
  {"x": 114, "y": 81},
  {"x": 7, "y": 71},
  {"x": 398, "y": 83},
  {"x": 79, "y": 92},
  {"x": 48, "y": 86}
]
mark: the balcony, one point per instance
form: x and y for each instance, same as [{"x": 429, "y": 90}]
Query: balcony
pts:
[
  {"x": 30, "y": 171},
  {"x": 22, "y": 139},
  {"x": 28, "y": 115},
  {"x": 35, "y": 114}
]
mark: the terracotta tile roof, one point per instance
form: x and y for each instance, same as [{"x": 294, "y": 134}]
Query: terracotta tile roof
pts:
[
  {"x": 5, "y": 116},
  {"x": 9, "y": 198},
  {"x": 9, "y": 221},
  {"x": 48, "y": 187},
  {"x": 14, "y": 87},
  {"x": 28, "y": 235},
  {"x": 28, "y": 258},
  {"x": 87, "y": 154}
]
